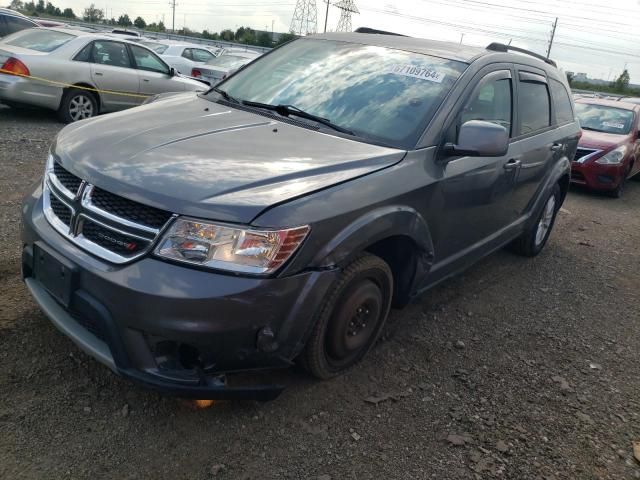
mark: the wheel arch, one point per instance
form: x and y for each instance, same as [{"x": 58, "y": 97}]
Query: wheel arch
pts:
[{"x": 88, "y": 88}]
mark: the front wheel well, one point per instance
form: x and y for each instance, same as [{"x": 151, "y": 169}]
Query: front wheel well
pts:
[{"x": 401, "y": 254}]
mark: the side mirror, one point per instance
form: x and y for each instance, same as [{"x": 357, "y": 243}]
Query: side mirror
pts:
[
  {"x": 172, "y": 72},
  {"x": 478, "y": 138}
]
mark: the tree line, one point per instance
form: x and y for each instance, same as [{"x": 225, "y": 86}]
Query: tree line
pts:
[{"x": 93, "y": 14}]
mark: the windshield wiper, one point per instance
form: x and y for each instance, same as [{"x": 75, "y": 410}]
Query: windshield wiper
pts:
[
  {"x": 291, "y": 110},
  {"x": 225, "y": 95}
]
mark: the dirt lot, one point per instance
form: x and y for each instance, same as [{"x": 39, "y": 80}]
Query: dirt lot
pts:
[{"x": 520, "y": 369}]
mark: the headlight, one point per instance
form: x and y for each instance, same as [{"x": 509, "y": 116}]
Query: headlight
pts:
[
  {"x": 228, "y": 248},
  {"x": 614, "y": 157}
]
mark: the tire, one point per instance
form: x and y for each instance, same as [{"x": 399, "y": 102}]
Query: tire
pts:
[
  {"x": 533, "y": 240},
  {"x": 77, "y": 105},
  {"x": 619, "y": 190},
  {"x": 351, "y": 318}
]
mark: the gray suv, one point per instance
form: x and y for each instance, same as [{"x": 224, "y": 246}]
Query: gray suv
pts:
[{"x": 277, "y": 218}]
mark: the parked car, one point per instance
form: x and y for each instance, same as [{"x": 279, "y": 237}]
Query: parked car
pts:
[
  {"x": 609, "y": 150},
  {"x": 635, "y": 100},
  {"x": 279, "y": 216},
  {"x": 85, "y": 73},
  {"x": 12, "y": 21},
  {"x": 223, "y": 66},
  {"x": 45, "y": 22},
  {"x": 181, "y": 56}
]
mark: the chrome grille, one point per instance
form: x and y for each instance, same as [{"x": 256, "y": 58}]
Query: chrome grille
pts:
[
  {"x": 582, "y": 154},
  {"x": 106, "y": 225}
]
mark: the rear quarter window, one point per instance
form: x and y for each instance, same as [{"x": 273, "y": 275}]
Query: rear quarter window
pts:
[
  {"x": 561, "y": 102},
  {"x": 40, "y": 40}
]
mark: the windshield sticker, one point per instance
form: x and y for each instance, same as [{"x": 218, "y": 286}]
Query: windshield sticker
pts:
[
  {"x": 422, "y": 73},
  {"x": 619, "y": 126}
]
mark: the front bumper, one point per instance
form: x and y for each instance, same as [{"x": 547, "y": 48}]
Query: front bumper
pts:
[
  {"x": 597, "y": 176},
  {"x": 29, "y": 92},
  {"x": 145, "y": 319}
]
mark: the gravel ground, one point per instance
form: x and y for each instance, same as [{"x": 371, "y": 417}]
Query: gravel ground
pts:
[{"x": 518, "y": 369}]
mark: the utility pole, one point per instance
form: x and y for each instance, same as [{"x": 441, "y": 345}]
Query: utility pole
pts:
[
  {"x": 461, "y": 37},
  {"x": 553, "y": 34},
  {"x": 173, "y": 23},
  {"x": 272, "y": 24},
  {"x": 326, "y": 17}
]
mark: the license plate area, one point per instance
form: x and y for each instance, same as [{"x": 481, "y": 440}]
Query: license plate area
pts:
[{"x": 55, "y": 273}]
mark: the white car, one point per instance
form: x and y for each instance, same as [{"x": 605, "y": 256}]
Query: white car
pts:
[
  {"x": 181, "y": 56},
  {"x": 221, "y": 67}
]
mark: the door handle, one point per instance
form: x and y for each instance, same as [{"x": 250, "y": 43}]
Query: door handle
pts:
[
  {"x": 99, "y": 74},
  {"x": 512, "y": 164},
  {"x": 556, "y": 147},
  {"x": 145, "y": 79}
]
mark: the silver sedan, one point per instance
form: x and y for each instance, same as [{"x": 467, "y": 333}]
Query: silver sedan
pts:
[{"x": 80, "y": 74}]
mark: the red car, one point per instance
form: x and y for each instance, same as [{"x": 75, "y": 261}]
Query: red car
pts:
[{"x": 609, "y": 152}]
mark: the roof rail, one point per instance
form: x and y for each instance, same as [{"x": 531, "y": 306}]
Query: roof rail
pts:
[
  {"x": 501, "y": 47},
  {"x": 379, "y": 32}
]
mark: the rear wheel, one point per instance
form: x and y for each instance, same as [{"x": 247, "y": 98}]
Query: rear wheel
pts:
[
  {"x": 351, "y": 319},
  {"x": 77, "y": 105},
  {"x": 533, "y": 240}
]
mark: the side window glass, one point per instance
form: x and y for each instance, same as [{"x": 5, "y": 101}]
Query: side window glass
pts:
[
  {"x": 84, "y": 55},
  {"x": 147, "y": 60},
  {"x": 14, "y": 24},
  {"x": 533, "y": 106},
  {"x": 561, "y": 101},
  {"x": 201, "y": 55},
  {"x": 491, "y": 103},
  {"x": 187, "y": 53},
  {"x": 111, "y": 53}
]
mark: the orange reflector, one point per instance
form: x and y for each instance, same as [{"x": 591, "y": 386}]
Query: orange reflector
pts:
[{"x": 204, "y": 403}]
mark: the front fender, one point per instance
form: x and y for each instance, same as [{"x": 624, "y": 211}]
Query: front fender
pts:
[{"x": 370, "y": 228}]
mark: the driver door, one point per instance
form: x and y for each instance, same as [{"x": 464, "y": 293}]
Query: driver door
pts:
[{"x": 154, "y": 75}]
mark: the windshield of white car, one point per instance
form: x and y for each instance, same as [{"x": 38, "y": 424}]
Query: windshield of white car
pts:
[
  {"x": 381, "y": 94},
  {"x": 40, "y": 40},
  {"x": 228, "y": 61},
  {"x": 602, "y": 118}
]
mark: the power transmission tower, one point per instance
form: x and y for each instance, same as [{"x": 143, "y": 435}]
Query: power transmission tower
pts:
[
  {"x": 553, "y": 34},
  {"x": 305, "y": 18},
  {"x": 348, "y": 7}
]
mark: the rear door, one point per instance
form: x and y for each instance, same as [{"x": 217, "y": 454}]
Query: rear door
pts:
[
  {"x": 537, "y": 141},
  {"x": 154, "y": 75},
  {"x": 113, "y": 73}
]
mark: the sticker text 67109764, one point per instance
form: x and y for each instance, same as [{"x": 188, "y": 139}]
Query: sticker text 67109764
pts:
[{"x": 423, "y": 73}]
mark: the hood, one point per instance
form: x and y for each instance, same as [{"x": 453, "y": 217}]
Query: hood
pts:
[
  {"x": 601, "y": 140},
  {"x": 191, "y": 156}
]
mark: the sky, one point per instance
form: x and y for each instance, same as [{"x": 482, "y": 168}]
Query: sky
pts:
[{"x": 592, "y": 36}]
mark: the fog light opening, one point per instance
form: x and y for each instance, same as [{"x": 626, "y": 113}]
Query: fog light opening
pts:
[{"x": 189, "y": 357}]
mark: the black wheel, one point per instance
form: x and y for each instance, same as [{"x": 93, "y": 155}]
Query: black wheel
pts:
[
  {"x": 533, "y": 240},
  {"x": 77, "y": 105},
  {"x": 619, "y": 190},
  {"x": 351, "y": 318}
]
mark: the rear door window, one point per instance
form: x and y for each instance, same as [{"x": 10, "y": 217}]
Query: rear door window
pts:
[
  {"x": 534, "y": 107},
  {"x": 111, "y": 53},
  {"x": 15, "y": 24},
  {"x": 561, "y": 102},
  {"x": 41, "y": 40}
]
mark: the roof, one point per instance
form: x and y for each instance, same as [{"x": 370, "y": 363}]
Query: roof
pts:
[
  {"x": 15, "y": 13},
  {"x": 609, "y": 103},
  {"x": 450, "y": 50}
]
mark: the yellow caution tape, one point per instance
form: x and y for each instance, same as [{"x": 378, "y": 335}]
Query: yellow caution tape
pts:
[{"x": 79, "y": 87}]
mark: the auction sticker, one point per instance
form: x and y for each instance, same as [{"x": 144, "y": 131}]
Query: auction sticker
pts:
[
  {"x": 619, "y": 126},
  {"x": 423, "y": 73}
]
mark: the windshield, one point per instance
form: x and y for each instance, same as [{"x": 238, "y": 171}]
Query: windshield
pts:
[
  {"x": 385, "y": 95},
  {"x": 40, "y": 40},
  {"x": 228, "y": 61},
  {"x": 601, "y": 118}
]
